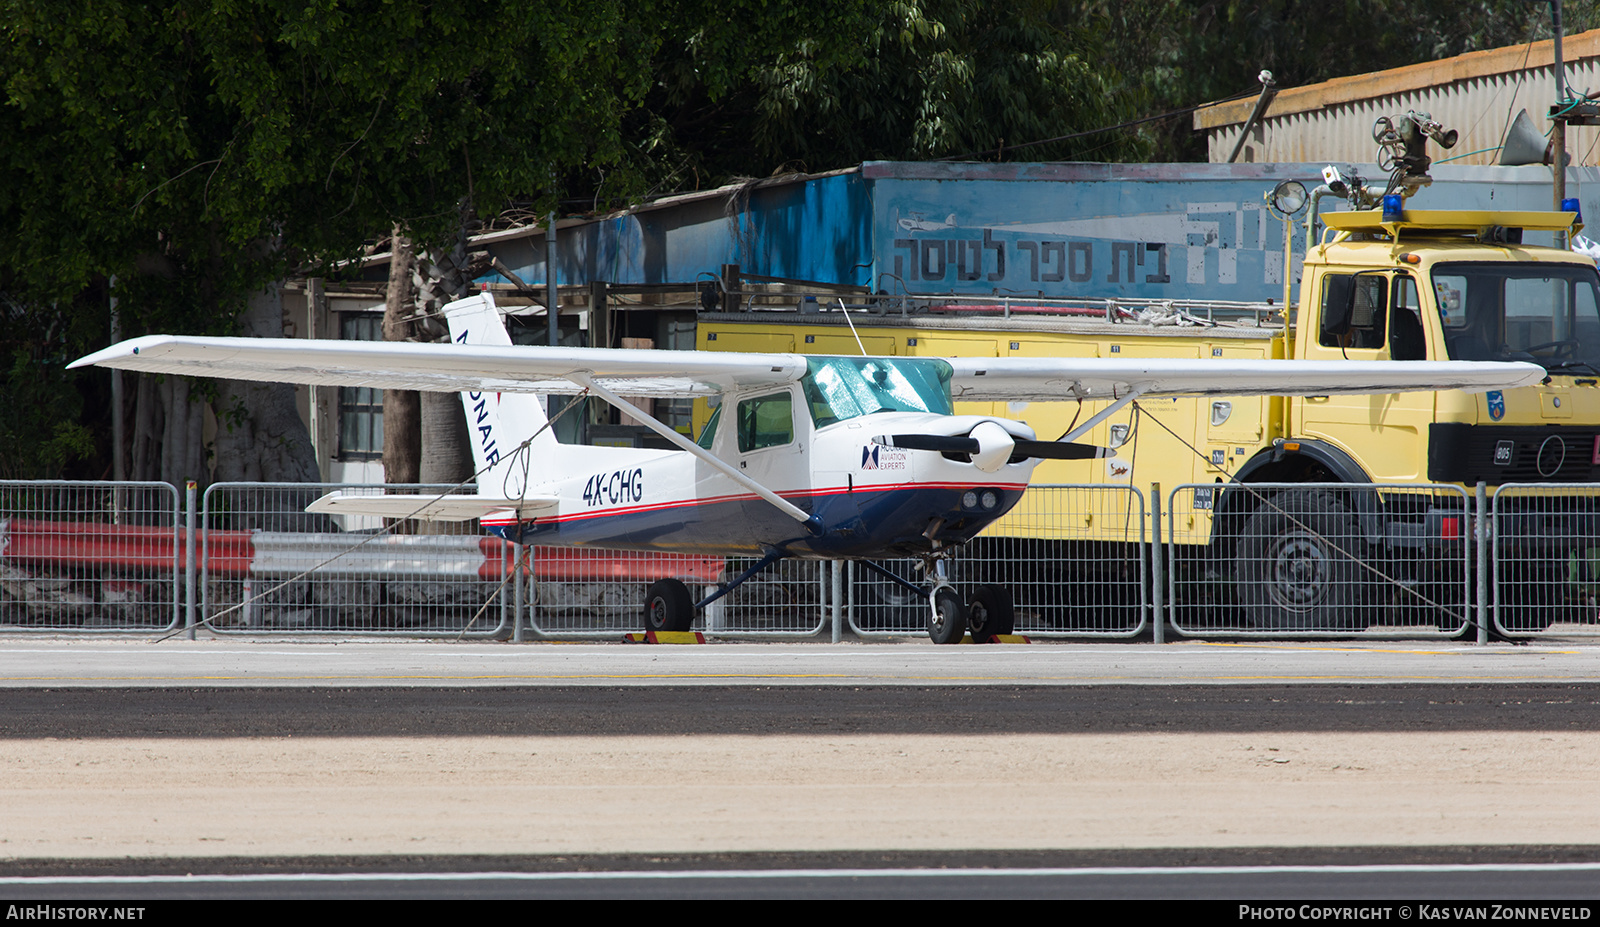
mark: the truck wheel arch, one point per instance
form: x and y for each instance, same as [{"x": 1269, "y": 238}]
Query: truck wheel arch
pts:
[
  {"x": 1313, "y": 462},
  {"x": 1277, "y": 465}
]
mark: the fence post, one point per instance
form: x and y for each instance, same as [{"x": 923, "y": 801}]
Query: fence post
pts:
[
  {"x": 189, "y": 492},
  {"x": 837, "y": 601},
  {"x": 517, "y": 596},
  {"x": 1481, "y": 534},
  {"x": 1157, "y": 573}
]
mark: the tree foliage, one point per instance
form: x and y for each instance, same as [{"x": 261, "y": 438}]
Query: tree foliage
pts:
[{"x": 196, "y": 149}]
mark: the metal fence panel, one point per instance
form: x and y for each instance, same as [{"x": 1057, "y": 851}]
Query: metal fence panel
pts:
[
  {"x": 93, "y": 556},
  {"x": 1319, "y": 559},
  {"x": 1546, "y": 558},
  {"x": 268, "y": 565},
  {"x": 1072, "y": 557},
  {"x": 594, "y": 593}
]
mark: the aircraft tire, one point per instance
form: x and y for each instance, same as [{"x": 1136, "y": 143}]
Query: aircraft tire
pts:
[
  {"x": 668, "y": 606},
  {"x": 990, "y": 612},
  {"x": 1298, "y": 566},
  {"x": 947, "y": 621}
]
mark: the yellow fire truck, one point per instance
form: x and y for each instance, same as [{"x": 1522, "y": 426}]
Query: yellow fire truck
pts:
[{"x": 1383, "y": 283}]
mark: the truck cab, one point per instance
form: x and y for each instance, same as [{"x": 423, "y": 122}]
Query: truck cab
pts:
[{"x": 1455, "y": 285}]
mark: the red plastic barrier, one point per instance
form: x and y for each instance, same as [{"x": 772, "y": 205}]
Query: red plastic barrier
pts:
[
  {"x": 229, "y": 553},
  {"x": 120, "y": 547},
  {"x": 571, "y": 564}
]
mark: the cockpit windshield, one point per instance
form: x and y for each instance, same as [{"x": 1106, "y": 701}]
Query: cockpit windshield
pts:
[
  {"x": 1545, "y": 313},
  {"x": 838, "y": 388}
]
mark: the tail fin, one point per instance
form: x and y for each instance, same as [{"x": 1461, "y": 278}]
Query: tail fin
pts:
[{"x": 499, "y": 423}]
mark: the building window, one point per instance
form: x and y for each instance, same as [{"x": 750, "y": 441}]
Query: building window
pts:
[{"x": 360, "y": 407}]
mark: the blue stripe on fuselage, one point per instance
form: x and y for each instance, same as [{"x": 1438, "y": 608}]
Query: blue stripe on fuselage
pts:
[{"x": 868, "y": 523}]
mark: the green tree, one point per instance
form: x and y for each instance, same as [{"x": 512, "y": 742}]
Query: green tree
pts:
[{"x": 198, "y": 150}]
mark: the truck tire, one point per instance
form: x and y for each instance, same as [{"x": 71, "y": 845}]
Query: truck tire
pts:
[
  {"x": 1297, "y": 566},
  {"x": 1531, "y": 593}
]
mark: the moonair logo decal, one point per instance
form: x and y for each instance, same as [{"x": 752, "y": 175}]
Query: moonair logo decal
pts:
[
  {"x": 1497, "y": 404},
  {"x": 480, "y": 411},
  {"x": 877, "y": 457},
  {"x": 480, "y": 408}
]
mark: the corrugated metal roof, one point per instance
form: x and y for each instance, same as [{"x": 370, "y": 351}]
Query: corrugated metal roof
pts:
[{"x": 1478, "y": 94}]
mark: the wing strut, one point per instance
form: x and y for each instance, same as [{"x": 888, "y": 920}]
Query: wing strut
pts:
[
  {"x": 1104, "y": 414},
  {"x": 812, "y": 522}
]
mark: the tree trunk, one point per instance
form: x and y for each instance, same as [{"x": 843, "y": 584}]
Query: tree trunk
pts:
[
  {"x": 444, "y": 433},
  {"x": 402, "y": 429},
  {"x": 441, "y": 277},
  {"x": 261, "y": 437}
]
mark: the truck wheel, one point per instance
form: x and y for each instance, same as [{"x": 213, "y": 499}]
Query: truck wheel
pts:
[
  {"x": 668, "y": 606},
  {"x": 1297, "y": 567},
  {"x": 1531, "y": 591},
  {"x": 990, "y": 612}
]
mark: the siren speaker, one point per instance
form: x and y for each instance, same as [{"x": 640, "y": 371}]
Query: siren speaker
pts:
[{"x": 1524, "y": 144}]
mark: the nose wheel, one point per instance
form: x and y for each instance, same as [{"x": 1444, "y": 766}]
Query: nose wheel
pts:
[
  {"x": 947, "y": 617},
  {"x": 989, "y": 612}
]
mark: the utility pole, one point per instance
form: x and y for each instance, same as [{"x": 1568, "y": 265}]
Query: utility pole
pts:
[{"x": 552, "y": 299}]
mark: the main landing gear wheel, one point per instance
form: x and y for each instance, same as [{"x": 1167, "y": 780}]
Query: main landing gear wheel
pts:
[
  {"x": 990, "y": 612},
  {"x": 947, "y": 618},
  {"x": 668, "y": 606}
]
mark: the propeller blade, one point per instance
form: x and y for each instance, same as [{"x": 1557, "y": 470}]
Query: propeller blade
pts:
[
  {"x": 956, "y": 445},
  {"x": 1056, "y": 450}
]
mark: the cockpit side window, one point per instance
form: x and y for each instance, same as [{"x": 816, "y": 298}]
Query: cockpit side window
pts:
[
  {"x": 708, "y": 434},
  {"x": 766, "y": 421}
]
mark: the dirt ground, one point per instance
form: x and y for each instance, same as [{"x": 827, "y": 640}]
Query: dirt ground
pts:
[{"x": 443, "y": 795}]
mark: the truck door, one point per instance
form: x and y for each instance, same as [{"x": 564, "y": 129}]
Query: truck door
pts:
[{"x": 1387, "y": 432}]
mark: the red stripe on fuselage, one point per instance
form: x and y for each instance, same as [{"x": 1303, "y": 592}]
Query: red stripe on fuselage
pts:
[{"x": 791, "y": 496}]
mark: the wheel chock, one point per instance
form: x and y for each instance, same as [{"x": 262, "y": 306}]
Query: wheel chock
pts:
[
  {"x": 664, "y": 637},
  {"x": 1000, "y": 639}
]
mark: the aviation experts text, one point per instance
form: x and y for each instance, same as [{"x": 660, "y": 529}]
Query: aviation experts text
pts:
[{"x": 1421, "y": 912}]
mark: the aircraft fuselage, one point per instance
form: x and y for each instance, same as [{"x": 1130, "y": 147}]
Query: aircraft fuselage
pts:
[{"x": 871, "y": 501}]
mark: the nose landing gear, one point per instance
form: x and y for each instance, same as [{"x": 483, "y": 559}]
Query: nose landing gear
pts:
[{"x": 989, "y": 612}]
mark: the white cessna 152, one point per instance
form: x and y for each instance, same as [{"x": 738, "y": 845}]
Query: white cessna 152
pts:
[{"x": 814, "y": 457}]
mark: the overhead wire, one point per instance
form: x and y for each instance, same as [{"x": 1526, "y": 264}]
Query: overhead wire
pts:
[{"x": 1112, "y": 128}]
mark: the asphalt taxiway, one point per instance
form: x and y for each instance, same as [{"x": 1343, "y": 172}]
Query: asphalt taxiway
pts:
[
  {"x": 299, "y": 663},
  {"x": 122, "y": 756}
]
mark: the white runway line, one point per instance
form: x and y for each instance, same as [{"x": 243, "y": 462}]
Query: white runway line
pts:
[{"x": 658, "y": 874}]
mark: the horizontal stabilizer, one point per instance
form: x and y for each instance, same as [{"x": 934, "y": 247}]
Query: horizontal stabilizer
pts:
[
  {"x": 435, "y": 508},
  {"x": 1058, "y": 450}
]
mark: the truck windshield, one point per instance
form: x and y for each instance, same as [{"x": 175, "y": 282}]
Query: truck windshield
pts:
[
  {"x": 1546, "y": 313},
  {"x": 838, "y": 388}
]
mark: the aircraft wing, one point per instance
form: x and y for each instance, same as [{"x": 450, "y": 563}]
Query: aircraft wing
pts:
[
  {"x": 448, "y": 368},
  {"x": 437, "y": 508},
  {"x": 521, "y": 369},
  {"x": 1040, "y": 379}
]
